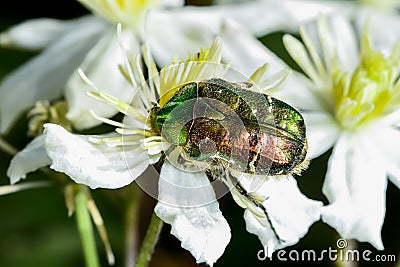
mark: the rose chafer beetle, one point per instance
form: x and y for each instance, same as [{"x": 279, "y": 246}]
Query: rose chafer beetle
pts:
[
  {"x": 216, "y": 119},
  {"x": 234, "y": 129}
]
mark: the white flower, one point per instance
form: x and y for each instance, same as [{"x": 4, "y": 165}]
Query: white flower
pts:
[
  {"x": 350, "y": 97},
  {"x": 259, "y": 17},
  {"x": 350, "y": 100},
  {"x": 186, "y": 198},
  {"x": 287, "y": 15},
  {"x": 91, "y": 44},
  {"x": 359, "y": 91}
]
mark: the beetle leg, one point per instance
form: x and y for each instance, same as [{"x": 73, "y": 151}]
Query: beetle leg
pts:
[
  {"x": 216, "y": 172},
  {"x": 256, "y": 201}
]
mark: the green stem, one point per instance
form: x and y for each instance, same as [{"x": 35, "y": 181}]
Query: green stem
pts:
[
  {"x": 150, "y": 241},
  {"x": 7, "y": 147},
  {"x": 344, "y": 262},
  {"x": 9, "y": 189},
  {"x": 398, "y": 262},
  {"x": 85, "y": 228},
  {"x": 133, "y": 198}
]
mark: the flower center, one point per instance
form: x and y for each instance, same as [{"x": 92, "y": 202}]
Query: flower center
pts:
[
  {"x": 129, "y": 12},
  {"x": 371, "y": 91},
  {"x": 44, "y": 113}
]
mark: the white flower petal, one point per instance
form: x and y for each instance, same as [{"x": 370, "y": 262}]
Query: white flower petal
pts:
[
  {"x": 345, "y": 42},
  {"x": 290, "y": 212},
  {"x": 187, "y": 202},
  {"x": 260, "y": 24},
  {"x": 322, "y": 132},
  {"x": 184, "y": 34},
  {"x": 282, "y": 15},
  {"x": 191, "y": 27},
  {"x": 101, "y": 67},
  {"x": 181, "y": 24},
  {"x": 383, "y": 38},
  {"x": 31, "y": 158},
  {"x": 224, "y": 2},
  {"x": 394, "y": 175},
  {"x": 387, "y": 142},
  {"x": 355, "y": 186},
  {"x": 172, "y": 3},
  {"x": 298, "y": 91},
  {"x": 44, "y": 77},
  {"x": 244, "y": 52},
  {"x": 95, "y": 165},
  {"x": 301, "y": 11},
  {"x": 38, "y": 33},
  {"x": 188, "y": 28}
]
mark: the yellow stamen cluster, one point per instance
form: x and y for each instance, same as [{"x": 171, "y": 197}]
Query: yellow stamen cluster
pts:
[
  {"x": 135, "y": 131},
  {"x": 371, "y": 91},
  {"x": 128, "y": 12},
  {"x": 355, "y": 98},
  {"x": 196, "y": 67}
]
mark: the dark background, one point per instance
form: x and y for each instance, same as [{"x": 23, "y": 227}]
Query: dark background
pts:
[{"x": 35, "y": 229}]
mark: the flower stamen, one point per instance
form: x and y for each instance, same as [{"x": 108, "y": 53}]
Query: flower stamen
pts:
[
  {"x": 360, "y": 96},
  {"x": 44, "y": 113}
]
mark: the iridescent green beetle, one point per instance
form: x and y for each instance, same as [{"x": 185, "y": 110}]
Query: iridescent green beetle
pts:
[
  {"x": 235, "y": 129},
  {"x": 268, "y": 137}
]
